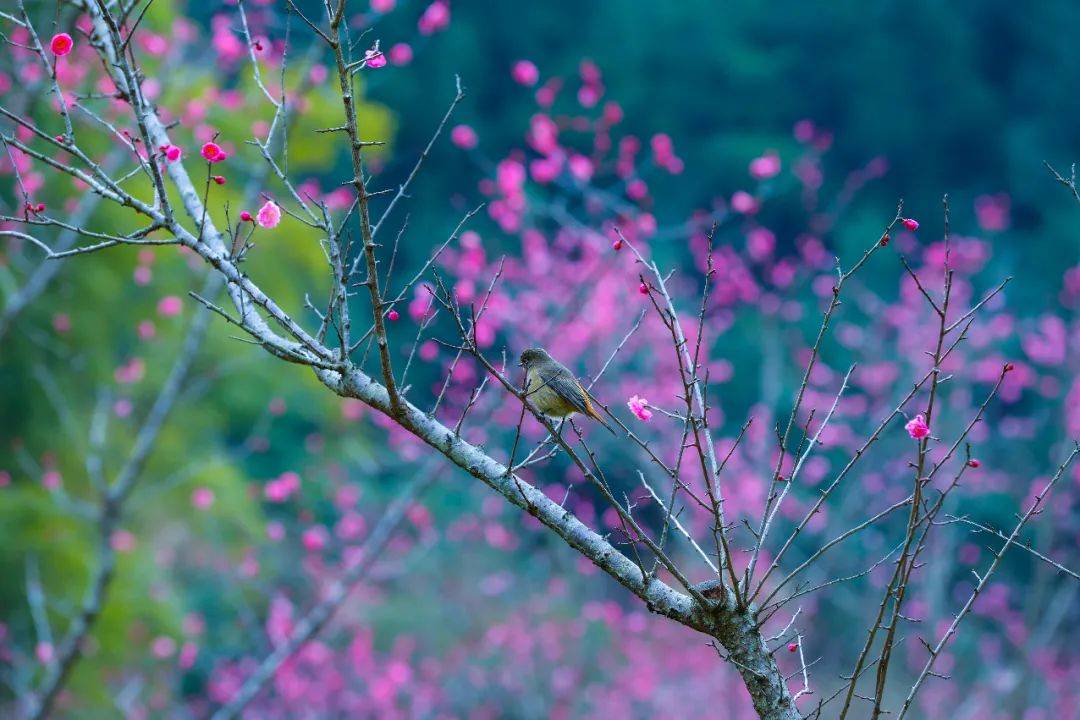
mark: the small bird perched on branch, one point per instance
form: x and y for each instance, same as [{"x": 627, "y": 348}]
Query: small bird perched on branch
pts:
[{"x": 554, "y": 390}]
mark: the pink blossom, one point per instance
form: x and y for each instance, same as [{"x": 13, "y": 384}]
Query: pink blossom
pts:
[
  {"x": 992, "y": 212},
  {"x": 910, "y": 223},
  {"x": 188, "y": 653},
  {"x": 173, "y": 153},
  {"x": 142, "y": 275},
  {"x": 435, "y": 18},
  {"x": 744, "y": 203},
  {"x": 202, "y": 498},
  {"x": 917, "y": 427},
  {"x": 640, "y": 407},
  {"x": 804, "y": 131},
  {"x": 464, "y": 137},
  {"x": 122, "y": 541},
  {"x": 245, "y": 216},
  {"x": 543, "y": 134},
  {"x": 212, "y": 152},
  {"x": 637, "y": 189},
  {"x": 61, "y": 44},
  {"x": 525, "y": 73},
  {"x": 163, "y": 647},
  {"x": 760, "y": 243},
  {"x": 315, "y": 538},
  {"x": 374, "y": 58},
  {"x": 169, "y": 306},
  {"x": 546, "y": 170},
  {"x": 401, "y": 53},
  {"x": 581, "y": 168},
  {"x": 269, "y": 214},
  {"x": 61, "y": 322},
  {"x": 383, "y": 6},
  {"x": 353, "y": 409},
  {"x": 153, "y": 43},
  {"x": 765, "y": 167},
  {"x": 282, "y": 488},
  {"x": 393, "y": 315},
  {"x": 51, "y": 480},
  {"x": 122, "y": 408},
  {"x": 44, "y": 652}
]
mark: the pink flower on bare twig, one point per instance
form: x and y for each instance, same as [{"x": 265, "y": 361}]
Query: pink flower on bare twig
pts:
[
  {"x": 640, "y": 407},
  {"x": 917, "y": 427}
]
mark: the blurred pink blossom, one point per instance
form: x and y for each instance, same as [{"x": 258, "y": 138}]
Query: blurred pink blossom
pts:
[
  {"x": 202, "y": 498},
  {"x": 525, "y": 73}
]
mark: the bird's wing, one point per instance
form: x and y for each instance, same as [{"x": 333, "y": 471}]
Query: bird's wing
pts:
[{"x": 568, "y": 389}]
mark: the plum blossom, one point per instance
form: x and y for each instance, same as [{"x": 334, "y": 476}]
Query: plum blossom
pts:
[
  {"x": 401, "y": 53},
  {"x": 910, "y": 223},
  {"x": 315, "y": 538},
  {"x": 464, "y": 137},
  {"x": 374, "y": 58},
  {"x": 202, "y": 498},
  {"x": 744, "y": 203},
  {"x": 269, "y": 214},
  {"x": 917, "y": 427},
  {"x": 765, "y": 167},
  {"x": 61, "y": 44},
  {"x": 212, "y": 152},
  {"x": 282, "y": 488},
  {"x": 640, "y": 407},
  {"x": 169, "y": 306},
  {"x": 525, "y": 73},
  {"x": 435, "y": 18}
]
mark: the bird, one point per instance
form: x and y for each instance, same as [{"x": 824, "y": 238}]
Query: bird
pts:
[{"x": 554, "y": 390}]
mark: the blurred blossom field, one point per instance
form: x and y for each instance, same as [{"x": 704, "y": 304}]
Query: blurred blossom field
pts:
[{"x": 267, "y": 269}]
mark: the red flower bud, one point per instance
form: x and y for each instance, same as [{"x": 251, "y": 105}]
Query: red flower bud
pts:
[
  {"x": 246, "y": 216},
  {"x": 219, "y": 179},
  {"x": 910, "y": 223},
  {"x": 1009, "y": 367},
  {"x": 792, "y": 647},
  {"x": 973, "y": 463},
  {"x": 617, "y": 245},
  {"x": 40, "y": 207},
  {"x": 643, "y": 289},
  {"x": 392, "y": 315},
  {"x": 884, "y": 240}
]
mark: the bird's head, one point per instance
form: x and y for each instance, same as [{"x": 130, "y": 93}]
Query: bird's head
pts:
[{"x": 532, "y": 356}]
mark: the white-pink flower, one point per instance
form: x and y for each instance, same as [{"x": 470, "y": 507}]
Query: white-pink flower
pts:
[
  {"x": 640, "y": 407},
  {"x": 269, "y": 214},
  {"x": 917, "y": 427}
]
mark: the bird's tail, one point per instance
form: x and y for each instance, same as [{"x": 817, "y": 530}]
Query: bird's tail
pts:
[{"x": 596, "y": 416}]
